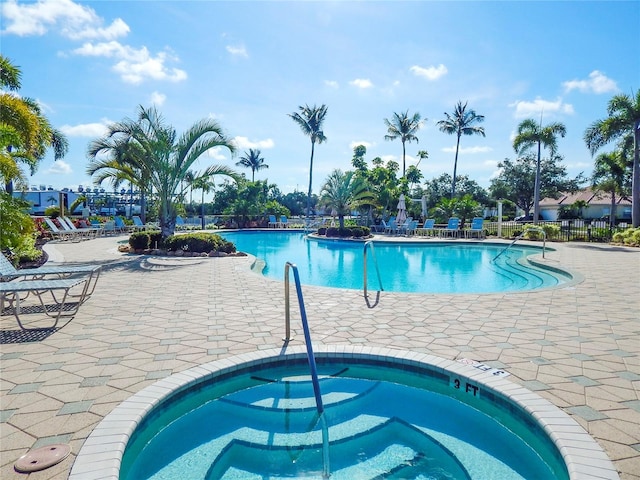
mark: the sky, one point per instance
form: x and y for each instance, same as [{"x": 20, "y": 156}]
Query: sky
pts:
[{"x": 250, "y": 64}]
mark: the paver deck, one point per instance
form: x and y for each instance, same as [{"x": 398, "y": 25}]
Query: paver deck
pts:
[{"x": 577, "y": 346}]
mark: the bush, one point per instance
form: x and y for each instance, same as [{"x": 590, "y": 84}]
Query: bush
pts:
[
  {"x": 345, "y": 232},
  {"x": 139, "y": 240},
  {"x": 199, "y": 243},
  {"x": 52, "y": 212}
]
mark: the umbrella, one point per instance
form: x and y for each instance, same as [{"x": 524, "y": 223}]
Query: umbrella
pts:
[{"x": 402, "y": 211}]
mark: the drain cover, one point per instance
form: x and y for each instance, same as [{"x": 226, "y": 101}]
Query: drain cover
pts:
[{"x": 41, "y": 458}]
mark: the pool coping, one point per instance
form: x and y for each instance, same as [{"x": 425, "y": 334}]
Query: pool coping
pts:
[{"x": 101, "y": 454}]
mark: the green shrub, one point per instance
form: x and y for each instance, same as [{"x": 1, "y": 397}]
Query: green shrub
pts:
[
  {"x": 52, "y": 212},
  {"x": 199, "y": 243},
  {"x": 139, "y": 240},
  {"x": 345, "y": 232},
  {"x": 322, "y": 231},
  {"x": 332, "y": 232}
]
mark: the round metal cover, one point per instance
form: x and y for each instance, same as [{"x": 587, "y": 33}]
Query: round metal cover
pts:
[{"x": 41, "y": 458}]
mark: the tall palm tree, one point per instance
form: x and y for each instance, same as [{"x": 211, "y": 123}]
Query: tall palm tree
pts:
[
  {"x": 310, "y": 120},
  {"x": 531, "y": 133},
  {"x": 166, "y": 158},
  {"x": 252, "y": 160},
  {"x": 611, "y": 175},
  {"x": 623, "y": 119},
  {"x": 25, "y": 133},
  {"x": 405, "y": 128},
  {"x": 460, "y": 122},
  {"x": 344, "y": 192},
  {"x": 205, "y": 183}
]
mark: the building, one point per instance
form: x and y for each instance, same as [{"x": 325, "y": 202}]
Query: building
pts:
[{"x": 597, "y": 205}]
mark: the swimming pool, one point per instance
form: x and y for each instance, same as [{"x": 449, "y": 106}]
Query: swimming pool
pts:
[
  {"x": 390, "y": 414},
  {"x": 421, "y": 267}
]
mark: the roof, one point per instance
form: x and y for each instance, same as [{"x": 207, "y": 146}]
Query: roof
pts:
[{"x": 588, "y": 195}]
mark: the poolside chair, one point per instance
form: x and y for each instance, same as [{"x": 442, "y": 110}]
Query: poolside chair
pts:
[
  {"x": 58, "y": 234},
  {"x": 86, "y": 232},
  {"x": 110, "y": 227},
  {"x": 137, "y": 222},
  {"x": 121, "y": 227},
  {"x": 428, "y": 228},
  {"x": 9, "y": 273},
  {"x": 391, "y": 227},
  {"x": 10, "y": 293},
  {"x": 452, "y": 228},
  {"x": 284, "y": 222},
  {"x": 411, "y": 228},
  {"x": 477, "y": 228},
  {"x": 273, "y": 222}
]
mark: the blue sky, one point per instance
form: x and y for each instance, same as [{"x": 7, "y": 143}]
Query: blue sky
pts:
[{"x": 249, "y": 64}]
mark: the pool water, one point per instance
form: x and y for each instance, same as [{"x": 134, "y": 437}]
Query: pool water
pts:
[
  {"x": 426, "y": 267},
  {"x": 382, "y": 423}
]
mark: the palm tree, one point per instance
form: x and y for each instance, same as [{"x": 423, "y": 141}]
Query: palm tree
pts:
[
  {"x": 611, "y": 175},
  {"x": 189, "y": 180},
  {"x": 460, "y": 122},
  {"x": 623, "y": 120},
  {"x": 205, "y": 183},
  {"x": 161, "y": 156},
  {"x": 253, "y": 161},
  {"x": 405, "y": 128},
  {"x": 531, "y": 133},
  {"x": 310, "y": 120},
  {"x": 344, "y": 192},
  {"x": 25, "y": 133}
]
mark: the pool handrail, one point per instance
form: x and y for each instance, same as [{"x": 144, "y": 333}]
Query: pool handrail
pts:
[
  {"x": 310, "y": 357},
  {"x": 369, "y": 244},
  {"x": 538, "y": 229},
  {"x": 305, "y": 327}
]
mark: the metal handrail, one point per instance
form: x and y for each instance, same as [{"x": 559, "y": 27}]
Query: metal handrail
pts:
[
  {"x": 538, "y": 229},
  {"x": 305, "y": 327},
  {"x": 369, "y": 244},
  {"x": 310, "y": 357}
]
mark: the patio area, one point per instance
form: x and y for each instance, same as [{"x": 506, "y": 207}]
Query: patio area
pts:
[{"x": 150, "y": 317}]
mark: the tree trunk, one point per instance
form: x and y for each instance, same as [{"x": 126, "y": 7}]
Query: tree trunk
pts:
[
  {"x": 310, "y": 181},
  {"x": 455, "y": 168},
  {"x": 536, "y": 189},
  {"x": 635, "y": 185}
]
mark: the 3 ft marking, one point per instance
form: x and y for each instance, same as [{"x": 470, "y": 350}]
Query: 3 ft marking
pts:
[{"x": 466, "y": 387}]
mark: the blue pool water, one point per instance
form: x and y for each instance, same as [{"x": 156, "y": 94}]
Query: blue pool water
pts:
[
  {"x": 427, "y": 267},
  {"x": 382, "y": 422}
]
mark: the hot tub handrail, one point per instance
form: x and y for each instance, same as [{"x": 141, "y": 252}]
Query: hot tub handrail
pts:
[
  {"x": 305, "y": 327},
  {"x": 369, "y": 244},
  {"x": 538, "y": 229}
]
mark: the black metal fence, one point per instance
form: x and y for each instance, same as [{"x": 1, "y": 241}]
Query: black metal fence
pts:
[{"x": 563, "y": 230}]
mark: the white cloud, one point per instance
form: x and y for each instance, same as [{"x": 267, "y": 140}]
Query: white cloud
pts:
[
  {"x": 361, "y": 83},
  {"x": 157, "y": 99},
  {"x": 331, "y": 83},
  {"x": 469, "y": 150},
  {"x": 85, "y": 130},
  {"x": 134, "y": 65},
  {"x": 430, "y": 73},
  {"x": 72, "y": 20},
  {"x": 216, "y": 153},
  {"x": 597, "y": 82},
  {"x": 60, "y": 167},
  {"x": 524, "y": 109},
  {"x": 237, "y": 51},
  {"x": 244, "y": 143}
]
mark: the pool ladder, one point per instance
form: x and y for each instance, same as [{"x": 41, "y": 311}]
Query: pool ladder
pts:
[
  {"x": 310, "y": 357},
  {"x": 538, "y": 229},
  {"x": 369, "y": 244}
]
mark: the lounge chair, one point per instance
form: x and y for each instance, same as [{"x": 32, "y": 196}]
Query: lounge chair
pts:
[
  {"x": 273, "y": 222},
  {"x": 8, "y": 273},
  {"x": 452, "y": 228},
  {"x": 428, "y": 228},
  {"x": 137, "y": 222},
  {"x": 10, "y": 292},
  {"x": 391, "y": 227},
  {"x": 58, "y": 234},
  {"x": 85, "y": 232},
  {"x": 284, "y": 222},
  {"x": 477, "y": 228}
]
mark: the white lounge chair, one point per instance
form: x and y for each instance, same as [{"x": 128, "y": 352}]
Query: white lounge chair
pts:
[
  {"x": 58, "y": 234},
  {"x": 10, "y": 293},
  {"x": 8, "y": 273}
]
